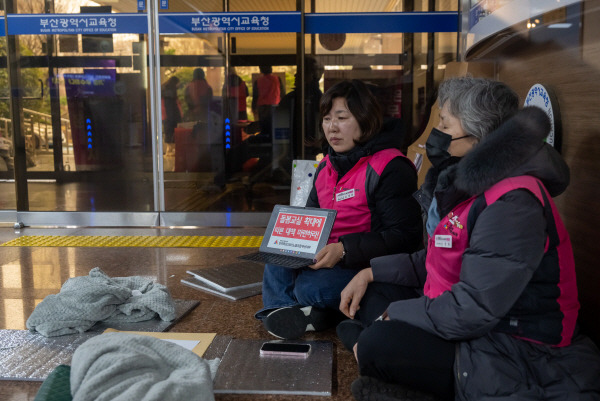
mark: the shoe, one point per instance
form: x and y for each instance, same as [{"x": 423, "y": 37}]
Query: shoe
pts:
[
  {"x": 370, "y": 389},
  {"x": 348, "y": 332},
  {"x": 292, "y": 322}
]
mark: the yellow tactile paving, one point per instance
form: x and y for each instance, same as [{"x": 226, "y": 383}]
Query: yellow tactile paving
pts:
[{"x": 184, "y": 241}]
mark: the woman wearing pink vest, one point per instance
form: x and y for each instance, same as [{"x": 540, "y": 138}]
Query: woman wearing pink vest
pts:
[
  {"x": 370, "y": 183},
  {"x": 489, "y": 310},
  {"x": 198, "y": 97},
  {"x": 267, "y": 91}
]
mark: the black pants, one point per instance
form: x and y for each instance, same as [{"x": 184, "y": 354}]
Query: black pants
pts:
[
  {"x": 396, "y": 352},
  {"x": 378, "y": 297},
  {"x": 169, "y": 127},
  {"x": 265, "y": 116}
]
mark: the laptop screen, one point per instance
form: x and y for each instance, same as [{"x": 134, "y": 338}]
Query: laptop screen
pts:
[{"x": 297, "y": 231}]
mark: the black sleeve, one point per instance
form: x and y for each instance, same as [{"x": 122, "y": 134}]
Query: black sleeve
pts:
[
  {"x": 407, "y": 269},
  {"x": 254, "y": 95},
  {"x": 506, "y": 247},
  {"x": 396, "y": 225}
]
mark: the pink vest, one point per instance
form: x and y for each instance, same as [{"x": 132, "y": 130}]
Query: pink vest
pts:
[
  {"x": 451, "y": 238},
  {"x": 268, "y": 90},
  {"x": 349, "y": 195}
]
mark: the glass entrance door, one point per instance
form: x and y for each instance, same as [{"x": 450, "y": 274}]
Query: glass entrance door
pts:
[
  {"x": 223, "y": 152},
  {"x": 77, "y": 117},
  {"x": 174, "y": 112}
]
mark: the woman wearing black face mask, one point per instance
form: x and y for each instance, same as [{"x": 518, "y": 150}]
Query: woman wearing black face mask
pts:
[
  {"x": 446, "y": 145},
  {"x": 488, "y": 311},
  {"x": 437, "y": 146},
  {"x": 470, "y": 109}
]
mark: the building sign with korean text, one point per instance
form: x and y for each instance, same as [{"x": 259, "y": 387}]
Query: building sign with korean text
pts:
[
  {"x": 71, "y": 24},
  {"x": 229, "y": 22}
]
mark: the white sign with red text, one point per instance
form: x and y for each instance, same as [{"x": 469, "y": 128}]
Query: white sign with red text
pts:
[{"x": 297, "y": 233}]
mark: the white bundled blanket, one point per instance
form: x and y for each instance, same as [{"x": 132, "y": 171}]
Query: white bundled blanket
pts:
[
  {"x": 84, "y": 301},
  {"x": 124, "y": 367}
]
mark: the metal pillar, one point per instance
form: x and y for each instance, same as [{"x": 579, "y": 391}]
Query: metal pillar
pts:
[{"x": 16, "y": 110}]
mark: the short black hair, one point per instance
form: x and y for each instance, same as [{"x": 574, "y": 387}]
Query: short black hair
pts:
[
  {"x": 265, "y": 69},
  {"x": 198, "y": 74},
  {"x": 362, "y": 104}
]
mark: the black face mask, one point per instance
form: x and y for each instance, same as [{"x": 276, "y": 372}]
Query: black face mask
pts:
[{"x": 437, "y": 147}]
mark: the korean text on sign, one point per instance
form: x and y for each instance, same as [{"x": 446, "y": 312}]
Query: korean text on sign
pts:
[{"x": 291, "y": 225}]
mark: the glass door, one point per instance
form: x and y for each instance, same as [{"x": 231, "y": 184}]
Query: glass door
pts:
[
  {"x": 399, "y": 48},
  {"x": 225, "y": 68},
  {"x": 79, "y": 110},
  {"x": 7, "y": 166},
  {"x": 178, "y": 112}
]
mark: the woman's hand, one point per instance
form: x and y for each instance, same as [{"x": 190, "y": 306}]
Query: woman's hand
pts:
[
  {"x": 354, "y": 291},
  {"x": 329, "y": 256}
]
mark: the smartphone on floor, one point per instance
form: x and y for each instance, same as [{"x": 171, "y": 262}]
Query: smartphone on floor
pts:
[{"x": 296, "y": 350}]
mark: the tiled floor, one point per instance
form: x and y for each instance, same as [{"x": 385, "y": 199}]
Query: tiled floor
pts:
[{"x": 28, "y": 274}]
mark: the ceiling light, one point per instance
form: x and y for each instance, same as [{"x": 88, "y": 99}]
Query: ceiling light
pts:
[{"x": 561, "y": 25}]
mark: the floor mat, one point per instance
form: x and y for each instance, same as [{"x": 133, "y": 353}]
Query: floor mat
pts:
[{"x": 30, "y": 356}]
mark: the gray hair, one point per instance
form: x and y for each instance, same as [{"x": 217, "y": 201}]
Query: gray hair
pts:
[{"x": 480, "y": 104}]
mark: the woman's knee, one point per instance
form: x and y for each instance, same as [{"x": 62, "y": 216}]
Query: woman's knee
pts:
[
  {"x": 321, "y": 288},
  {"x": 313, "y": 295},
  {"x": 277, "y": 276}
]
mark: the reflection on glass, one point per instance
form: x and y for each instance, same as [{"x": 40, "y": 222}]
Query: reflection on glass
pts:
[
  {"x": 328, "y": 6},
  {"x": 14, "y": 318},
  {"x": 221, "y": 149},
  {"x": 87, "y": 118},
  {"x": 46, "y": 276},
  {"x": 85, "y": 125},
  {"x": 279, "y": 5},
  {"x": 6, "y": 143},
  {"x": 11, "y": 276},
  {"x": 371, "y": 44}
]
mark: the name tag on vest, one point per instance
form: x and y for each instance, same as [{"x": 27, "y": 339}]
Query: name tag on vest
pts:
[
  {"x": 345, "y": 195},
  {"x": 443, "y": 241}
]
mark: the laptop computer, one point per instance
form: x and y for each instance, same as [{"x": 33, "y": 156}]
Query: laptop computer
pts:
[{"x": 294, "y": 236}]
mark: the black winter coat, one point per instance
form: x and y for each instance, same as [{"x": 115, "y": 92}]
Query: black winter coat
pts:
[
  {"x": 396, "y": 224},
  {"x": 506, "y": 246}
]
